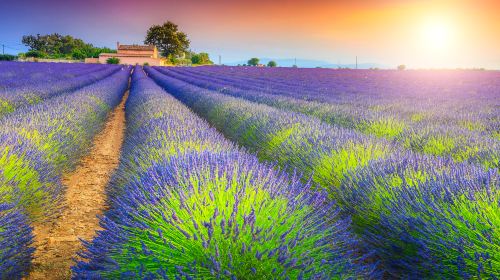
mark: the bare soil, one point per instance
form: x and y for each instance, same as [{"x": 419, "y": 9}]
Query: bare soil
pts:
[{"x": 57, "y": 241}]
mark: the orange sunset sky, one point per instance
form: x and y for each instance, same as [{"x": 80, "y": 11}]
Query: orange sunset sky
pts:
[{"x": 416, "y": 33}]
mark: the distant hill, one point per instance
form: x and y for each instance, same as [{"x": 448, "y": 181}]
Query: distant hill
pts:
[
  {"x": 360, "y": 66},
  {"x": 310, "y": 63}
]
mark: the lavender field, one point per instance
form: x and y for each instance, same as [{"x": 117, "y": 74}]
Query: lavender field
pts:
[{"x": 259, "y": 173}]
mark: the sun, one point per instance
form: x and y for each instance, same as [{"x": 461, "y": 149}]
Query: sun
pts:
[
  {"x": 437, "y": 34},
  {"x": 437, "y": 40}
]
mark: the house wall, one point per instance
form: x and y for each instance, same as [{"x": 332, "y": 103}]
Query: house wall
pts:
[
  {"x": 137, "y": 52},
  {"x": 34, "y": 59},
  {"x": 132, "y": 60},
  {"x": 91, "y": 60}
]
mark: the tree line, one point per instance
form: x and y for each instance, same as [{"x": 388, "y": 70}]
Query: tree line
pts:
[
  {"x": 254, "y": 61},
  {"x": 59, "y": 46},
  {"x": 172, "y": 44}
]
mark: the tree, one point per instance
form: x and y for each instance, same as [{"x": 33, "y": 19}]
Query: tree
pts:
[
  {"x": 253, "y": 61},
  {"x": 60, "y": 46},
  {"x": 55, "y": 45},
  {"x": 168, "y": 39},
  {"x": 201, "y": 58},
  {"x": 113, "y": 60},
  {"x": 195, "y": 59},
  {"x": 78, "y": 54},
  {"x": 272, "y": 63},
  {"x": 401, "y": 67},
  {"x": 33, "y": 42}
]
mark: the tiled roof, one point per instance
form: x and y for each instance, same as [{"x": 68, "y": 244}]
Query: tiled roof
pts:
[
  {"x": 125, "y": 55},
  {"x": 136, "y": 47}
]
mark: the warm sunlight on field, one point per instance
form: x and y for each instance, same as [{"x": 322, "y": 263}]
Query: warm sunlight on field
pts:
[{"x": 249, "y": 139}]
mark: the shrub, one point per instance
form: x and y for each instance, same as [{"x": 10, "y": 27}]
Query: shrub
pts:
[
  {"x": 7, "y": 57},
  {"x": 201, "y": 58},
  {"x": 113, "y": 60},
  {"x": 35, "y": 54}
]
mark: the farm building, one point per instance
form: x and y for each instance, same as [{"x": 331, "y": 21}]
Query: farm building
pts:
[{"x": 133, "y": 54}]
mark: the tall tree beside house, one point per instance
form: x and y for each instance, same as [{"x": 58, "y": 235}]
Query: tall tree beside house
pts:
[{"x": 168, "y": 39}]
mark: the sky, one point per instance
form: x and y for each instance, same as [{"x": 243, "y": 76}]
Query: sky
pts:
[{"x": 419, "y": 34}]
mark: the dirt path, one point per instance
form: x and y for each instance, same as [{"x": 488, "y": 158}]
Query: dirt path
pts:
[{"x": 57, "y": 242}]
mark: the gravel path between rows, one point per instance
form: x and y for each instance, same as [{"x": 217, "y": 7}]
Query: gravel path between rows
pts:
[{"x": 57, "y": 242}]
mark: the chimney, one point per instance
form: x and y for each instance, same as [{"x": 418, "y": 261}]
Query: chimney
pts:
[{"x": 117, "y": 45}]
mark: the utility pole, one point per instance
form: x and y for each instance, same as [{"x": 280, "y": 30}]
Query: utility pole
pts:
[
  {"x": 295, "y": 63},
  {"x": 3, "y": 49},
  {"x": 220, "y": 59},
  {"x": 356, "y": 62}
]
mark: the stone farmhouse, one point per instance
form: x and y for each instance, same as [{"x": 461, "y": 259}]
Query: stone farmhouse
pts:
[{"x": 132, "y": 55}]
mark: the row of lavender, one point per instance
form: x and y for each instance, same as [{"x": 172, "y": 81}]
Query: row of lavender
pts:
[
  {"x": 439, "y": 94},
  {"x": 15, "y": 74},
  {"x": 419, "y": 216},
  {"x": 442, "y": 122},
  {"x": 45, "y": 82},
  {"x": 424, "y": 94},
  {"x": 411, "y": 95},
  {"x": 188, "y": 204},
  {"x": 37, "y": 145}
]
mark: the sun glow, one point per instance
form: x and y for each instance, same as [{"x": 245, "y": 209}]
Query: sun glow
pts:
[
  {"x": 437, "y": 35},
  {"x": 437, "y": 43}
]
